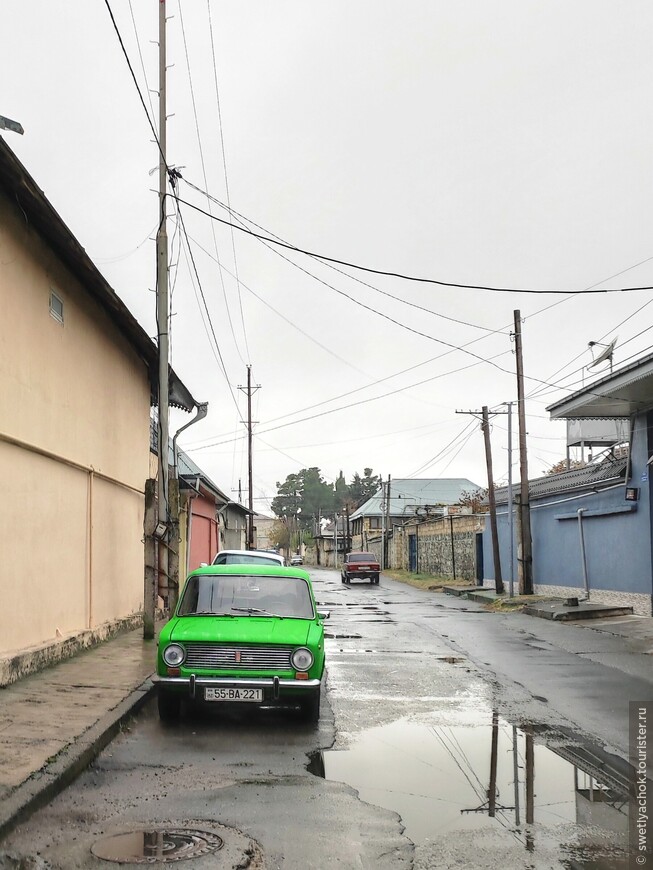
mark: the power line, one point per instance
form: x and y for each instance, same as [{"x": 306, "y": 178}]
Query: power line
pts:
[
  {"x": 241, "y": 218},
  {"x": 404, "y": 277},
  {"x": 203, "y": 165},
  {"x": 206, "y": 308},
  {"x": 224, "y": 167},
  {"x": 133, "y": 75}
]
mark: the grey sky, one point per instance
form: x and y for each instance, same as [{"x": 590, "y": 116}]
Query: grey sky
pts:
[{"x": 499, "y": 143}]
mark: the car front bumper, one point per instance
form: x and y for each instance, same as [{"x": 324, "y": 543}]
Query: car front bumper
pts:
[{"x": 273, "y": 687}]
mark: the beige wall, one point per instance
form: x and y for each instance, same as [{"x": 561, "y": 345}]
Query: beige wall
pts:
[{"x": 78, "y": 392}]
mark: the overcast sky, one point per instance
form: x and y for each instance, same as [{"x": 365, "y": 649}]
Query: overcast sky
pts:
[{"x": 502, "y": 143}]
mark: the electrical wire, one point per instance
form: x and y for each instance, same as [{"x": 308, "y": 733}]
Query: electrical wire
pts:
[
  {"x": 404, "y": 277},
  {"x": 279, "y": 314},
  {"x": 140, "y": 55},
  {"x": 133, "y": 75},
  {"x": 224, "y": 168},
  {"x": 223, "y": 367},
  {"x": 203, "y": 165},
  {"x": 245, "y": 220}
]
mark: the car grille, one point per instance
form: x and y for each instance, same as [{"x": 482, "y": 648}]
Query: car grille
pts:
[{"x": 216, "y": 656}]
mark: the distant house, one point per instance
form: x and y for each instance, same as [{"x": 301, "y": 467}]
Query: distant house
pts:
[
  {"x": 263, "y": 527},
  {"x": 409, "y": 498},
  {"x": 591, "y": 527},
  {"x": 78, "y": 377},
  {"x": 209, "y": 520}
]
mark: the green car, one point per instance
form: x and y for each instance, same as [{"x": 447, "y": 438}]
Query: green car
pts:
[{"x": 243, "y": 634}]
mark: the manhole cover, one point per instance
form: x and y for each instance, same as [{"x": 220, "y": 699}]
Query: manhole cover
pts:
[{"x": 156, "y": 847}]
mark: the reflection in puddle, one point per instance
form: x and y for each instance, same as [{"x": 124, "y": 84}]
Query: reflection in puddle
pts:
[{"x": 457, "y": 779}]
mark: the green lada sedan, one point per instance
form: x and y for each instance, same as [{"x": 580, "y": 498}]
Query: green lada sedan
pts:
[{"x": 243, "y": 634}]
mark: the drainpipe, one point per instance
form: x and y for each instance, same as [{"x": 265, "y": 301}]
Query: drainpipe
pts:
[
  {"x": 202, "y": 409},
  {"x": 583, "y": 555}
]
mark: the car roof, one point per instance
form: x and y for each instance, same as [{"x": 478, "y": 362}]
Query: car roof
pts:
[
  {"x": 271, "y": 570},
  {"x": 269, "y": 553}
]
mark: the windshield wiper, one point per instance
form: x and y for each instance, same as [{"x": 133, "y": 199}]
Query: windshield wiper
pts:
[
  {"x": 206, "y": 613},
  {"x": 256, "y": 610}
]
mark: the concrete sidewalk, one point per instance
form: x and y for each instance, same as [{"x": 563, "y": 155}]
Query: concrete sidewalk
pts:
[{"x": 53, "y": 723}]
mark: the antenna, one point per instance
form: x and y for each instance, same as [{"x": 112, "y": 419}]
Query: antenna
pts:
[{"x": 606, "y": 354}]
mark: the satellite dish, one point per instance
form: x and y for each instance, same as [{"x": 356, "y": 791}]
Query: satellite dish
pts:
[{"x": 606, "y": 353}]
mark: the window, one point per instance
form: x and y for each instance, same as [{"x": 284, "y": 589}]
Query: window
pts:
[
  {"x": 56, "y": 307},
  {"x": 375, "y": 522}
]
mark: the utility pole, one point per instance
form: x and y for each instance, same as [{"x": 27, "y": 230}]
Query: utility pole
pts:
[
  {"x": 386, "y": 551},
  {"x": 511, "y": 512},
  {"x": 485, "y": 426},
  {"x": 250, "y": 519},
  {"x": 162, "y": 317},
  {"x": 525, "y": 543}
]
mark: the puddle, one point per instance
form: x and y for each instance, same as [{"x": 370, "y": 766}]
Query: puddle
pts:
[{"x": 445, "y": 780}]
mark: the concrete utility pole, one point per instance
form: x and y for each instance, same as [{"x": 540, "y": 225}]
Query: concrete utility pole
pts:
[
  {"x": 250, "y": 519},
  {"x": 485, "y": 426},
  {"x": 525, "y": 543},
  {"x": 162, "y": 315}
]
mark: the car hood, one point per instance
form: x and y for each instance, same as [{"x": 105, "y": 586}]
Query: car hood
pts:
[{"x": 249, "y": 629}]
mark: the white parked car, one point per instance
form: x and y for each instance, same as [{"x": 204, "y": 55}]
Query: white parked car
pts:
[{"x": 248, "y": 557}]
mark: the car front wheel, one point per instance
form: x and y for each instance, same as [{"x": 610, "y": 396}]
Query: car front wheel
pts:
[{"x": 169, "y": 706}]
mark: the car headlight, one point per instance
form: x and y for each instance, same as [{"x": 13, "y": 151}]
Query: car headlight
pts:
[
  {"x": 301, "y": 659},
  {"x": 173, "y": 655}
]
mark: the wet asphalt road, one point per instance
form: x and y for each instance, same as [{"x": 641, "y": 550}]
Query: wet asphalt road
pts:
[{"x": 429, "y": 700}]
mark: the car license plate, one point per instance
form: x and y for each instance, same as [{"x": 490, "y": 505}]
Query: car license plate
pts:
[{"x": 235, "y": 694}]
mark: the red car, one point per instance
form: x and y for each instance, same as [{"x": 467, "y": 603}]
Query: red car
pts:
[{"x": 360, "y": 566}]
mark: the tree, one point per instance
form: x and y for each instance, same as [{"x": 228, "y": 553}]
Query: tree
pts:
[
  {"x": 304, "y": 497},
  {"x": 561, "y": 466},
  {"x": 474, "y": 499},
  {"x": 362, "y": 488}
]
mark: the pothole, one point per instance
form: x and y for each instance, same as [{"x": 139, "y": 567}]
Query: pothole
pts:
[{"x": 155, "y": 846}]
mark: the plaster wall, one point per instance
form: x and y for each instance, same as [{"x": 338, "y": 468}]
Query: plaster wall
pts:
[
  {"x": 617, "y": 537},
  {"x": 73, "y": 394}
]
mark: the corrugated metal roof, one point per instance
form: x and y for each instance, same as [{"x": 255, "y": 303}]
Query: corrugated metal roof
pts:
[
  {"x": 626, "y": 391},
  {"x": 38, "y": 212},
  {"x": 406, "y": 494},
  {"x": 594, "y": 476}
]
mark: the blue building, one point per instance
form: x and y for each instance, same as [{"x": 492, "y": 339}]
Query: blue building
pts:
[{"x": 591, "y": 527}]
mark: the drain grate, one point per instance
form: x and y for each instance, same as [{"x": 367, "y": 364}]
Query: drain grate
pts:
[{"x": 156, "y": 846}]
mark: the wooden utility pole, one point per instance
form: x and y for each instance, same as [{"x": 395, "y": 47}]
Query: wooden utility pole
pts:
[
  {"x": 498, "y": 579},
  {"x": 386, "y": 551},
  {"x": 525, "y": 543},
  {"x": 485, "y": 426},
  {"x": 250, "y": 519}
]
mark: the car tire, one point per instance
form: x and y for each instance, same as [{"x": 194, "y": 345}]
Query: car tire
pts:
[
  {"x": 169, "y": 705},
  {"x": 376, "y": 580},
  {"x": 310, "y": 708}
]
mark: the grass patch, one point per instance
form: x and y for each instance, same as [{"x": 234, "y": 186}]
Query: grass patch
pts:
[
  {"x": 434, "y": 582},
  {"x": 517, "y": 602}
]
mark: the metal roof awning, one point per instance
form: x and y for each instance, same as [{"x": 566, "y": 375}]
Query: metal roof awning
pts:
[{"x": 619, "y": 394}]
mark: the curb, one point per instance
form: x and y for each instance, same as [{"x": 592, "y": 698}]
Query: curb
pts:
[{"x": 46, "y": 783}]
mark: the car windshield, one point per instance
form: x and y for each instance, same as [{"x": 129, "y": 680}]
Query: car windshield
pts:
[
  {"x": 234, "y": 594},
  {"x": 245, "y": 559},
  {"x": 361, "y": 557}
]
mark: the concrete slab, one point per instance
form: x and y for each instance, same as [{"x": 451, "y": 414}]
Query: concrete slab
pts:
[
  {"x": 460, "y": 591},
  {"x": 562, "y": 612}
]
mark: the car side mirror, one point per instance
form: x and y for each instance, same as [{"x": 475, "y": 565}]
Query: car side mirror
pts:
[{"x": 323, "y": 614}]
